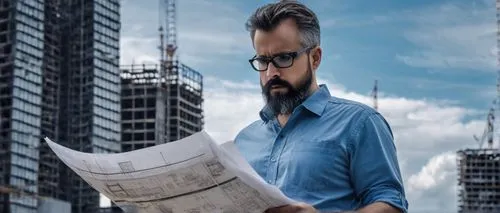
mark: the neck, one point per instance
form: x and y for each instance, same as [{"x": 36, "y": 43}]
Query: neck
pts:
[
  {"x": 283, "y": 118},
  {"x": 313, "y": 89}
]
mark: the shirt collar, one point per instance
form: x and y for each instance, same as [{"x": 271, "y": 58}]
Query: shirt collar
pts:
[{"x": 315, "y": 103}]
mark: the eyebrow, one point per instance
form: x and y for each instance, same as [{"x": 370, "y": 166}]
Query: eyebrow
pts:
[{"x": 275, "y": 54}]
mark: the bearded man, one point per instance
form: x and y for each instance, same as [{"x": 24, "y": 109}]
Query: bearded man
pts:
[{"x": 329, "y": 154}]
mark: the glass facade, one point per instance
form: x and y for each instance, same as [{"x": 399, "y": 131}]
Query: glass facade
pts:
[
  {"x": 90, "y": 100},
  {"x": 106, "y": 97},
  {"x": 26, "y": 102},
  {"x": 60, "y": 59}
]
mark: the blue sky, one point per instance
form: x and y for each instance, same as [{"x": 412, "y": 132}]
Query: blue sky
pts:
[
  {"x": 407, "y": 45},
  {"x": 434, "y": 59}
]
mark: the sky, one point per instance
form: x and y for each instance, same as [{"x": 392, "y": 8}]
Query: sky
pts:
[{"x": 435, "y": 62}]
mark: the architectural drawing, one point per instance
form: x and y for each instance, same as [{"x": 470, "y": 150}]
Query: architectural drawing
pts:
[{"x": 203, "y": 177}]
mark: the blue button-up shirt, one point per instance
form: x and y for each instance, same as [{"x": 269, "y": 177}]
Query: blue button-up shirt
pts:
[{"x": 334, "y": 154}]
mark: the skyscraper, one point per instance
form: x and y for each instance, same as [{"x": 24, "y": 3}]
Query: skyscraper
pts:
[
  {"x": 60, "y": 62},
  {"x": 21, "y": 56},
  {"x": 90, "y": 86}
]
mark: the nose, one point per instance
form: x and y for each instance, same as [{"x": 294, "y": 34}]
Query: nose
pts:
[{"x": 272, "y": 71}]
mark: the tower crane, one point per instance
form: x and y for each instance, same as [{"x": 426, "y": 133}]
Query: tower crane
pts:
[
  {"x": 168, "y": 47},
  {"x": 170, "y": 10},
  {"x": 497, "y": 101},
  {"x": 375, "y": 95},
  {"x": 490, "y": 132}
]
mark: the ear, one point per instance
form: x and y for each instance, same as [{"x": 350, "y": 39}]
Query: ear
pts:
[{"x": 316, "y": 57}]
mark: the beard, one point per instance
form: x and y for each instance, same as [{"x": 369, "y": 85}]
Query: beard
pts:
[{"x": 285, "y": 102}]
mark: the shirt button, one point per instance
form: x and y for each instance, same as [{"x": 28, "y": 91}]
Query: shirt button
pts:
[{"x": 273, "y": 159}]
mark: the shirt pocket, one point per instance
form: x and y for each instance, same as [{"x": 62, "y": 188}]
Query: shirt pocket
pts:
[
  {"x": 317, "y": 165},
  {"x": 316, "y": 146}
]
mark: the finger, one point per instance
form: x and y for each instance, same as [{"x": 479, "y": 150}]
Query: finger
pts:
[
  {"x": 271, "y": 210},
  {"x": 275, "y": 209},
  {"x": 284, "y": 209}
]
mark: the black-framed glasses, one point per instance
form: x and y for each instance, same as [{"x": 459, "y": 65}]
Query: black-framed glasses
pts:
[{"x": 281, "y": 60}]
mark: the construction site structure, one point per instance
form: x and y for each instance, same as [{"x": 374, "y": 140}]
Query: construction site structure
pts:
[
  {"x": 143, "y": 111},
  {"x": 479, "y": 168},
  {"x": 161, "y": 102},
  {"x": 60, "y": 79},
  {"x": 479, "y": 180}
]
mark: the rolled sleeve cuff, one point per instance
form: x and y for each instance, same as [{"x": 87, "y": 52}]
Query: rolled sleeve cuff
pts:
[{"x": 387, "y": 195}]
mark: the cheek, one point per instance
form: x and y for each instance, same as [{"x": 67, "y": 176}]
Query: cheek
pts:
[
  {"x": 292, "y": 76},
  {"x": 263, "y": 79},
  {"x": 297, "y": 74}
]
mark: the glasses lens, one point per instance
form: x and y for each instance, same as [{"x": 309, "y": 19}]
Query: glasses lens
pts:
[
  {"x": 259, "y": 64},
  {"x": 283, "y": 61}
]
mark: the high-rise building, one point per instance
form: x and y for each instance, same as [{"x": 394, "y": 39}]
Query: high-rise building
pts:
[
  {"x": 21, "y": 57},
  {"x": 90, "y": 89},
  {"x": 59, "y": 77},
  {"x": 155, "y": 113}
]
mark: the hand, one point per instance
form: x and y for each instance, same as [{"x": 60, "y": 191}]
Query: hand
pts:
[{"x": 293, "y": 208}]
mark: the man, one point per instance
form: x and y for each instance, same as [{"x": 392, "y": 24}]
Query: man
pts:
[{"x": 327, "y": 153}]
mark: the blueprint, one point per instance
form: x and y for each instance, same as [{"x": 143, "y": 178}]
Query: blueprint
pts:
[{"x": 191, "y": 175}]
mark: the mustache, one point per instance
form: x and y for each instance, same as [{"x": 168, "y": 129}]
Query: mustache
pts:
[{"x": 278, "y": 82}]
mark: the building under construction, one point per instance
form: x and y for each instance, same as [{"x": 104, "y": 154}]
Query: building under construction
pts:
[
  {"x": 479, "y": 180},
  {"x": 161, "y": 102},
  {"x": 479, "y": 174},
  {"x": 159, "y": 109}
]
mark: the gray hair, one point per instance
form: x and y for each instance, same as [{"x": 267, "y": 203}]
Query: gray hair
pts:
[{"x": 267, "y": 17}]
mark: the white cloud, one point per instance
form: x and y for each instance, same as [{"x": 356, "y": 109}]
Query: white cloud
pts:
[
  {"x": 138, "y": 50},
  {"x": 434, "y": 173},
  {"x": 437, "y": 178},
  {"x": 452, "y": 36},
  {"x": 227, "y": 112}
]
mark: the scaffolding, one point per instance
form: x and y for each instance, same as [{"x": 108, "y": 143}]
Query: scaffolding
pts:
[
  {"x": 178, "y": 94},
  {"x": 478, "y": 180}
]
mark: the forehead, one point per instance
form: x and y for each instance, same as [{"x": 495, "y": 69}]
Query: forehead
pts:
[{"x": 285, "y": 37}]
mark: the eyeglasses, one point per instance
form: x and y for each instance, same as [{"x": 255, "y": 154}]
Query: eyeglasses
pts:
[{"x": 281, "y": 60}]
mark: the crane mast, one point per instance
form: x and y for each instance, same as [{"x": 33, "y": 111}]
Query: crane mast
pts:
[
  {"x": 490, "y": 131},
  {"x": 375, "y": 95},
  {"x": 497, "y": 101},
  {"x": 170, "y": 12},
  {"x": 168, "y": 47},
  {"x": 168, "y": 34}
]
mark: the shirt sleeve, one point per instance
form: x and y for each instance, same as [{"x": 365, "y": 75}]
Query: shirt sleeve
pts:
[{"x": 374, "y": 167}]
